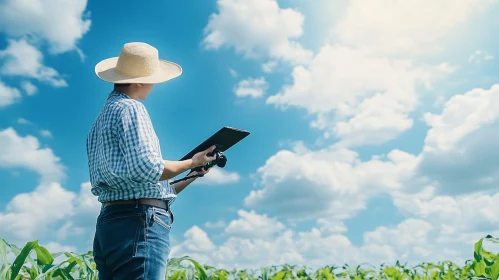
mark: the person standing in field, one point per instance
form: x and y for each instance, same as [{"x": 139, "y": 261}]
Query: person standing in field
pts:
[{"x": 127, "y": 171}]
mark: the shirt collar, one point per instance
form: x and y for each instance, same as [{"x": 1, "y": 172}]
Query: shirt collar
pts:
[{"x": 118, "y": 94}]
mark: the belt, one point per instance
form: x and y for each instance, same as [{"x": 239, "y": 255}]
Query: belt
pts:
[{"x": 146, "y": 201}]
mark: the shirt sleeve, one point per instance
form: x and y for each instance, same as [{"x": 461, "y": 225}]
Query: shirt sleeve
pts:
[{"x": 138, "y": 143}]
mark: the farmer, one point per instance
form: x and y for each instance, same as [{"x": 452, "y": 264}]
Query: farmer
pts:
[{"x": 128, "y": 172}]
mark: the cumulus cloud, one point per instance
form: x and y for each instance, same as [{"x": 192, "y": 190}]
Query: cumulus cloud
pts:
[
  {"x": 29, "y": 88},
  {"x": 459, "y": 155},
  {"x": 29, "y": 215},
  {"x": 252, "y": 225},
  {"x": 420, "y": 27},
  {"x": 257, "y": 28},
  {"x": 197, "y": 244},
  {"x": 218, "y": 176},
  {"x": 25, "y": 60},
  {"x": 50, "y": 212},
  {"x": 218, "y": 224},
  {"x": 413, "y": 241},
  {"x": 46, "y": 133},
  {"x": 364, "y": 86},
  {"x": 18, "y": 151},
  {"x": 40, "y": 213},
  {"x": 451, "y": 214},
  {"x": 23, "y": 121},
  {"x": 458, "y": 158},
  {"x": 60, "y": 23},
  {"x": 82, "y": 215},
  {"x": 251, "y": 87},
  {"x": 332, "y": 182},
  {"x": 8, "y": 95},
  {"x": 360, "y": 98}
]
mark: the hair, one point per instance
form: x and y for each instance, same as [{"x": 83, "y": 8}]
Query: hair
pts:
[{"x": 119, "y": 86}]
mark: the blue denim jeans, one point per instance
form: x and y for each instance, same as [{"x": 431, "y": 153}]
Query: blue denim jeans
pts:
[{"x": 132, "y": 242}]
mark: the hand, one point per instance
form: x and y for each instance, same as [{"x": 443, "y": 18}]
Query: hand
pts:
[
  {"x": 200, "y": 172},
  {"x": 200, "y": 159}
]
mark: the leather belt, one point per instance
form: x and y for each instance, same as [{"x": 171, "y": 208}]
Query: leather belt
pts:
[{"x": 146, "y": 201}]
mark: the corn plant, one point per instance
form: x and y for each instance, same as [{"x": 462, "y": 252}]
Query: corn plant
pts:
[{"x": 34, "y": 261}]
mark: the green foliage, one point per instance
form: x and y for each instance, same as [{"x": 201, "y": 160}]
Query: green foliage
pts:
[{"x": 485, "y": 265}]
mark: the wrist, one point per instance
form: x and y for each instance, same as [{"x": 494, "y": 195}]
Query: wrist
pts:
[{"x": 192, "y": 164}]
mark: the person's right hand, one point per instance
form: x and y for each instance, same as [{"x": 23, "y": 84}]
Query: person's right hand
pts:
[{"x": 200, "y": 159}]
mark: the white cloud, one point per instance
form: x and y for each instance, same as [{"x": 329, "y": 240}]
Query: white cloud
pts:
[
  {"x": 413, "y": 240},
  {"x": 362, "y": 99},
  {"x": 478, "y": 57},
  {"x": 420, "y": 27},
  {"x": 54, "y": 247},
  {"x": 218, "y": 224},
  {"x": 459, "y": 155},
  {"x": 329, "y": 226},
  {"x": 252, "y": 225},
  {"x": 233, "y": 72},
  {"x": 29, "y": 88},
  {"x": 23, "y": 121},
  {"x": 218, "y": 176},
  {"x": 257, "y": 28},
  {"x": 451, "y": 214},
  {"x": 28, "y": 216},
  {"x": 40, "y": 213},
  {"x": 462, "y": 115},
  {"x": 23, "y": 59},
  {"x": 45, "y": 133},
  {"x": 251, "y": 87},
  {"x": 83, "y": 215},
  {"x": 269, "y": 67},
  {"x": 8, "y": 95},
  {"x": 197, "y": 243},
  {"x": 332, "y": 182},
  {"x": 364, "y": 86},
  {"x": 17, "y": 151},
  {"x": 61, "y": 23}
]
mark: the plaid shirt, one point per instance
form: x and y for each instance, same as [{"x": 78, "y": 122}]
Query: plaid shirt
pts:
[{"x": 124, "y": 155}]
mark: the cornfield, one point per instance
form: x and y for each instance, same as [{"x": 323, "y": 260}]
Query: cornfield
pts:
[{"x": 484, "y": 265}]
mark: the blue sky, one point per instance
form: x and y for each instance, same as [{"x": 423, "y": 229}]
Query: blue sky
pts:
[{"x": 370, "y": 125}]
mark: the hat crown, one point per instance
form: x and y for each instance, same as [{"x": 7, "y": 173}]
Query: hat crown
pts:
[{"x": 138, "y": 59}]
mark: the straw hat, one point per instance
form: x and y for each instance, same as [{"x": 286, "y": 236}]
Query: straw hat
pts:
[{"x": 138, "y": 63}]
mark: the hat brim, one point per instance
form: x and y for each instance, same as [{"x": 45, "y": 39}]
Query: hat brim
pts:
[{"x": 106, "y": 71}]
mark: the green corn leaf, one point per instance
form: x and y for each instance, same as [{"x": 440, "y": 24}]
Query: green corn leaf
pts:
[
  {"x": 82, "y": 266},
  {"x": 478, "y": 250},
  {"x": 279, "y": 275},
  {"x": 43, "y": 256},
  {"x": 21, "y": 258},
  {"x": 200, "y": 269},
  {"x": 479, "y": 268},
  {"x": 493, "y": 271},
  {"x": 3, "y": 252}
]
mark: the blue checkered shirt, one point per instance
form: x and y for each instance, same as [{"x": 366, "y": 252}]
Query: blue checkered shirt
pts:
[{"x": 124, "y": 155}]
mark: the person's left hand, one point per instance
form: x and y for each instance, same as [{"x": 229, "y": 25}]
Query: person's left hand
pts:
[{"x": 201, "y": 172}]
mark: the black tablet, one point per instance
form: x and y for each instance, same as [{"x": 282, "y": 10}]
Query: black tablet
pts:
[{"x": 224, "y": 138}]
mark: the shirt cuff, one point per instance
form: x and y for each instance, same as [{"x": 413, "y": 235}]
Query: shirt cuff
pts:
[
  {"x": 161, "y": 167},
  {"x": 173, "y": 188}
]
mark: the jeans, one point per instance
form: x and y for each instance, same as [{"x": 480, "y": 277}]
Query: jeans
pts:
[{"x": 132, "y": 242}]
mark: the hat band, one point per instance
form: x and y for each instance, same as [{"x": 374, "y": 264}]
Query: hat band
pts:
[{"x": 136, "y": 66}]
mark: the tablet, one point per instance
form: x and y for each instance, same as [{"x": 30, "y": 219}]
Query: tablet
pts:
[{"x": 224, "y": 138}]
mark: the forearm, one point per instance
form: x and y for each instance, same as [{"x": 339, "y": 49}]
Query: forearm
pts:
[
  {"x": 180, "y": 186},
  {"x": 174, "y": 168}
]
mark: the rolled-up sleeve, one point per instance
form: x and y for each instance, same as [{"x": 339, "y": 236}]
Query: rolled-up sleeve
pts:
[{"x": 138, "y": 142}]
